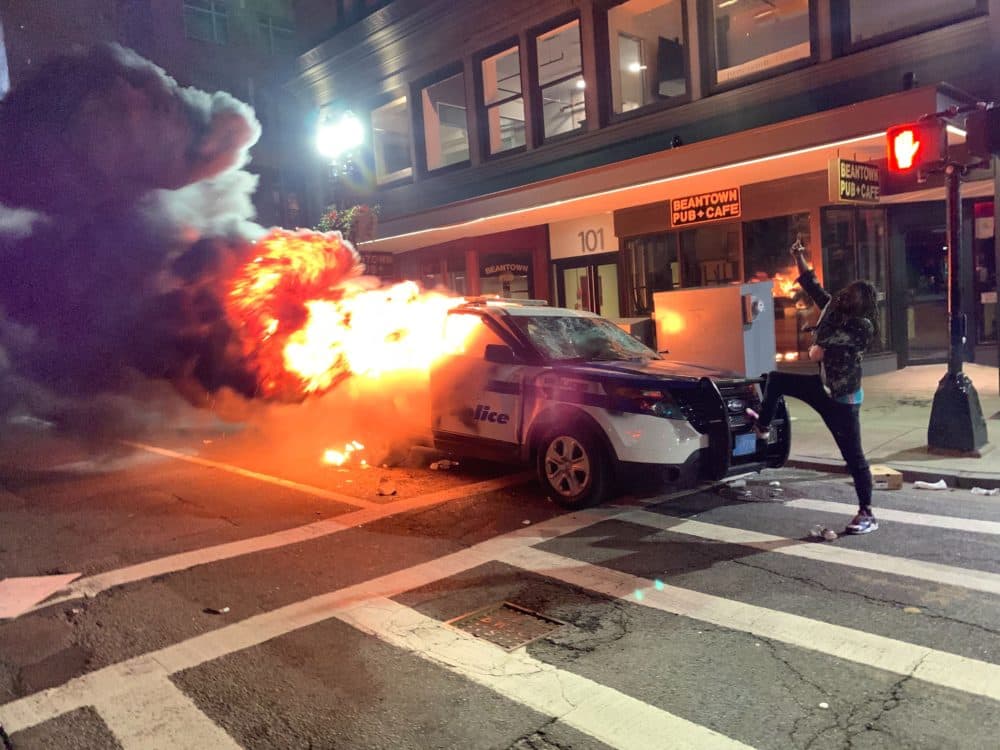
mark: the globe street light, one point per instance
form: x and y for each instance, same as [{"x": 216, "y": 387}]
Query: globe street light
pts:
[{"x": 335, "y": 138}]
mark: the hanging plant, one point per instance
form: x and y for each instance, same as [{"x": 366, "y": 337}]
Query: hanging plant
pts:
[{"x": 356, "y": 224}]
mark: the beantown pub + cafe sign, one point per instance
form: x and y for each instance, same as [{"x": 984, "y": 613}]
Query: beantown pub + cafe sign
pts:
[{"x": 703, "y": 207}]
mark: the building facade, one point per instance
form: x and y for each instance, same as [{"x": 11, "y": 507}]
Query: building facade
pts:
[
  {"x": 244, "y": 47},
  {"x": 601, "y": 153}
]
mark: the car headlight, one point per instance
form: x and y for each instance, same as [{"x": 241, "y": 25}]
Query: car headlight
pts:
[{"x": 652, "y": 401}]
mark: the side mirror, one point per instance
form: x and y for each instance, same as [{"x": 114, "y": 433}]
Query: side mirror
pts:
[{"x": 500, "y": 354}]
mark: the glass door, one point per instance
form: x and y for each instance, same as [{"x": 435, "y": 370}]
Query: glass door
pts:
[
  {"x": 927, "y": 295},
  {"x": 589, "y": 286}
]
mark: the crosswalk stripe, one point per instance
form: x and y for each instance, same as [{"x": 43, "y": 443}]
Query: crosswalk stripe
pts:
[
  {"x": 949, "y": 575},
  {"x": 604, "y": 713},
  {"x": 924, "y": 663},
  {"x": 902, "y": 516},
  {"x": 157, "y": 715},
  {"x": 93, "y": 585}
]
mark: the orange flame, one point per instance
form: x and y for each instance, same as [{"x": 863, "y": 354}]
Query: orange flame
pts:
[
  {"x": 784, "y": 285},
  {"x": 307, "y": 320},
  {"x": 340, "y": 457}
]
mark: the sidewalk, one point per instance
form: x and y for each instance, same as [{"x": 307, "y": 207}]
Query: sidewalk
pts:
[{"x": 894, "y": 419}]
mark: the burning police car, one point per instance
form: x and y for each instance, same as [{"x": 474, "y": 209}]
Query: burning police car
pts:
[{"x": 588, "y": 404}]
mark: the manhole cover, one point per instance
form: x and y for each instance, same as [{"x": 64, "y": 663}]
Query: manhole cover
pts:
[{"x": 506, "y": 625}]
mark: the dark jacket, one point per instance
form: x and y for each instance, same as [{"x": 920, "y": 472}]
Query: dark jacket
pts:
[{"x": 844, "y": 339}]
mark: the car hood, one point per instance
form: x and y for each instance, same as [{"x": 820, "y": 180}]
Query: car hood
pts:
[{"x": 655, "y": 368}]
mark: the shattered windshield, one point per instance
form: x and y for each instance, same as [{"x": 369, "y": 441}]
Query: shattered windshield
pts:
[{"x": 588, "y": 339}]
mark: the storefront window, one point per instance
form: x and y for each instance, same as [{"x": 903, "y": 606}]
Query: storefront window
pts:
[
  {"x": 870, "y": 20},
  {"x": 710, "y": 255},
  {"x": 855, "y": 246},
  {"x": 446, "y": 130},
  {"x": 647, "y": 53},
  {"x": 561, "y": 88},
  {"x": 751, "y": 36},
  {"x": 650, "y": 265},
  {"x": 503, "y": 101},
  {"x": 506, "y": 275},
  {"x": 391, "y": 141}
]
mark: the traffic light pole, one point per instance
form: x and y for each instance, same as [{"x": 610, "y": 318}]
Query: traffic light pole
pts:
[{"x": 957, "y": 425}]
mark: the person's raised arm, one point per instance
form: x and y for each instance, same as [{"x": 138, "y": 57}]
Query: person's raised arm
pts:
[{"x": 806, "y": 276}]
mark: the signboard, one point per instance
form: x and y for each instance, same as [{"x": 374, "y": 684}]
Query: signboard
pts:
[
  {"x": 501, "y": 269},
  {"x": 704, "y": 207},
  {"x": 379, "y": 264},
  {"x": 588, "y": 236},
  {"x": 854, "y": 181}
]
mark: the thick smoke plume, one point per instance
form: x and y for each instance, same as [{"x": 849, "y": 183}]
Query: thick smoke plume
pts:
[{"x": 122, "y": 206}]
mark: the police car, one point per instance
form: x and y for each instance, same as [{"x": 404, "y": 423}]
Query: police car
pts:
[{"x": 588, "y": 404}]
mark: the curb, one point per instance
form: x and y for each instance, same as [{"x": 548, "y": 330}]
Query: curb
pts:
[{"x": 965, "y": 480}]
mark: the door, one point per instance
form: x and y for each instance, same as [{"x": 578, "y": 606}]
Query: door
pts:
[
  {"x": 927, "y": 295},
  {"x": 592, "y": 287}
]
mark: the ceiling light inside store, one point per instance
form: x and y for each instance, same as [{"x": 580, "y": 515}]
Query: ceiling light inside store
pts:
[
  {"x": 727, "y": 3},
  {"x": 581, "y": 84},
  {"x": 635, "y": 67}
]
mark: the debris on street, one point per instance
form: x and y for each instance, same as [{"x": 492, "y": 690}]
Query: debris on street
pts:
[
  {"x": 983, "y": 491},
  {"x": 938, "y": 485},
  {"x": 443, "y": 465},
  {"x": 215, "y": 611},
  {"x": 385, "y": 487},
  {"x": 885, "y": 478}
]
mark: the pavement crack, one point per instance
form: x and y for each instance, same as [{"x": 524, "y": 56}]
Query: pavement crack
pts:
[{"x": 924, "y": 610}]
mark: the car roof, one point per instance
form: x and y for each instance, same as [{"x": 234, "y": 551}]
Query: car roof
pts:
[{"x": 521, "y": 308}]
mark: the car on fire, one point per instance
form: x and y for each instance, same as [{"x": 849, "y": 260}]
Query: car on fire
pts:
[{"x": 588, "y": 404}]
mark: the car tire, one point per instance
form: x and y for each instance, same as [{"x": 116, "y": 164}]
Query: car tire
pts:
[{"x": 573, "y": 467}]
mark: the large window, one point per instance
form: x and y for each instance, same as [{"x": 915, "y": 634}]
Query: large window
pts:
[
  {"x": 446, "y": 129},
  {"x": 391, "y": 141},
  {"x": 206, "y": 21},
  {"x": 503, "y": 100},
  {"x": 277, "y": 34},
  {"x": 560, "y": 79},
  {"x": 868, "y": 21},
  {"x": 710, "y": 255},
  {"x": 647, "y": 53},
  {"x": 650, "y": 266},
  {"x": 750, "y": 37}
]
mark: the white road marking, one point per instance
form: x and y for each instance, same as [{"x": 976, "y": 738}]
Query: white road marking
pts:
[
  {"x": 306, "y": 489},
  {"x": 608, "y": 715},
  {"x": 117, "y": 679},
  {"x": 95, "y": 584},
  {"x": 157, "y": 715},
  {"x": 903, "y": 516},
  {"x": 949, "y": 575},
  {"x": 927, "y": 664}
]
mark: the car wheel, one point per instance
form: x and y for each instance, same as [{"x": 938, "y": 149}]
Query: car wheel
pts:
[{"x": 573, "y": 467}]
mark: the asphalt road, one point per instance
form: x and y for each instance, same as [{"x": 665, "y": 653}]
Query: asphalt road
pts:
[{"x": 234, "y": 593}]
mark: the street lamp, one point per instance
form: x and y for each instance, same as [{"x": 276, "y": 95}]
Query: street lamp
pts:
[{"x": 336, "y": 138}]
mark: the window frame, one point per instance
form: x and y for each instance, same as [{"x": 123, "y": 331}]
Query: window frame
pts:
[
  {"x": 267, "y": 24},
  {"x": 419, "y": 137},
  {"x": 536, "y": 98},
  {"x": 840, "y": 12},
  {"x": 606, "y": 103},
  {"x": 398, "y": 177},
  {"x": 706, "y": 34},
  {"x": 214, "y": 9},
  {"x": 482, "y": 108}
]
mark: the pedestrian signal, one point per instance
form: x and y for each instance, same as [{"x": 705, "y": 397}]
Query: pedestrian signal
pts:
[{"x": 916, "y": 144}]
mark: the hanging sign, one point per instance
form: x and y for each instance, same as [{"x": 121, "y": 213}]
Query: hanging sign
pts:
[
  {"x": 698, "y": 209},
  {"x": 854, "y": 181}
]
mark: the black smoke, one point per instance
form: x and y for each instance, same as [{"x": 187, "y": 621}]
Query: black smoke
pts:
[{"x": 122, "y": 206}]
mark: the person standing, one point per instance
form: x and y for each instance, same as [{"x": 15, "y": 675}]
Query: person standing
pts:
[{"x": 846, "y": 327}]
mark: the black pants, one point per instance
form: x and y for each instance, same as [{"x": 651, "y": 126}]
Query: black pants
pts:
[{"x": 843, "y": 421}]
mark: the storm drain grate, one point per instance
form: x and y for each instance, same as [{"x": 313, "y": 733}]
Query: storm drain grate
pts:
[{"x": 506, "y": 625}]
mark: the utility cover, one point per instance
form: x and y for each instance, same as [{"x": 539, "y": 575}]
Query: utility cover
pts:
[{"x": 506, "y": 625}]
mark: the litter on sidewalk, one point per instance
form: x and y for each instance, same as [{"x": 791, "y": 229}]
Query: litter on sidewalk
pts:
[
  {"x": 885, "y": 478},
  {"x": 983, "y": 491},
  {"x": 938, "y": 485}
]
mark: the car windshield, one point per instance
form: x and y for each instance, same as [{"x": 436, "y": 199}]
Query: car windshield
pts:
[{"x": 574, "y": 337}]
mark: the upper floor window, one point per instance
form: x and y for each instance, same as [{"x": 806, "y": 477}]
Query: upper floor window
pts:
[
  {"x": 751, "y": 37},
  {"x": 647, "y": 53},
  {"x": 206, "y": 20},
  {"x": 446, "y": 128},
  {"x": 503, "y": 100},
  {"x": 277, "y": 34},
  {"x": 559, "y": 71},
  {"x": 869, "y": 22},
  {"x": 391, "y": 141}
]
